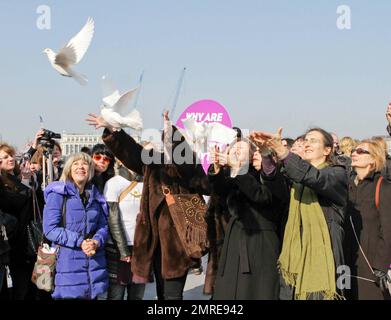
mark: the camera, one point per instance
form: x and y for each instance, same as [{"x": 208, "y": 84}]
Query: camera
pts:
[
  {"x": 49, "y": 135},
  {"x": 47, "y": 141},
  {"x": 24, "y": 158}
]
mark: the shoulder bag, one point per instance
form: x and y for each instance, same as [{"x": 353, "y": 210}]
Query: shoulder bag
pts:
[
  {"x": 45, "y": 266},
  {"x": 188, "y": 214}
]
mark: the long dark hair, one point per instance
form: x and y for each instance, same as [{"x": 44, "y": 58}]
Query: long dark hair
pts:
[
  {"x": 328, "y": 142},
  {"x": 102, "y": 149}
]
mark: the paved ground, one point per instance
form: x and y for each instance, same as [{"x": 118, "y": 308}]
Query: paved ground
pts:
[{"x": 193, "y": 287}]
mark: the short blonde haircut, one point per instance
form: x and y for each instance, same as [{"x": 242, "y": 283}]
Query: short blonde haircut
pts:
[
  {"x": 346, "y": 145},
  {"x": 67, "y": 172},
  {"x": 376, "y": 150}
]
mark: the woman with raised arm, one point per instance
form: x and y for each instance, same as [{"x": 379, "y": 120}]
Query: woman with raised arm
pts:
[
  {"x": 247, "y": 267},
  {"x": 312, "y": 247},
  {"x": 157, "y": 245}
]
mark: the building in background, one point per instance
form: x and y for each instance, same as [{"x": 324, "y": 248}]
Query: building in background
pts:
[{"x": 73, "y": 142}]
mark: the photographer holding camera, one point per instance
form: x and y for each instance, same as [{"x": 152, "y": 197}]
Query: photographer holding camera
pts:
[{"x": 46, "y": 139}]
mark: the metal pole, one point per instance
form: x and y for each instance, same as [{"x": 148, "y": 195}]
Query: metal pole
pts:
[
  {"x": 139, "y": 89},
  {"x": 180, "y": 82},
  {"x": 50, "y": 167},
  {"x": 44, "y": 172},
  {"x": 178, "y": 90}
]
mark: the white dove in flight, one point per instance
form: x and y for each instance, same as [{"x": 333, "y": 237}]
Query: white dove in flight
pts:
[
  {"x": 201, "y": 133},
  {"x": 72, "y": 53},
  {"x": 114, "y": 106}
]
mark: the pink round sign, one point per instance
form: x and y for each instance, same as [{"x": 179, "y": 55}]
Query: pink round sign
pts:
[{"x": 207, "y": 111}]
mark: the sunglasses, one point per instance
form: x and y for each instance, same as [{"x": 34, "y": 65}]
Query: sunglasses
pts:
[
  {"x": 98, "y": 157},
  {"x": 360, "y": 151}
]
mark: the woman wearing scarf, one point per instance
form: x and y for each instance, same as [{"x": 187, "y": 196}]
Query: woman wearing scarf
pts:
[{"x": 312, "y": 247}]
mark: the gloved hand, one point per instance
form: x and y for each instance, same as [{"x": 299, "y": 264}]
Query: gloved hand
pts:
[{"x": 382, "y": 279}]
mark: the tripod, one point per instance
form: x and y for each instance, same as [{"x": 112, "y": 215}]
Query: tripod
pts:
[{"x": 47, "y": 165}]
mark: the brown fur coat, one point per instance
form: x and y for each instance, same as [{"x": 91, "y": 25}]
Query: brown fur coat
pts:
[{"x": 154, "y": 224}]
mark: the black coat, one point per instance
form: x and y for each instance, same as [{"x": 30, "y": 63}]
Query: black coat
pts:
[
  {"x": 247, "y": 266},
  {"x": 373, "y": 229},
  {"x": 8, "y": 225},
  {"x": 331, "y": 187},
  {"x": 16, "y": 199},
  {"x": 217, "y": 218}
]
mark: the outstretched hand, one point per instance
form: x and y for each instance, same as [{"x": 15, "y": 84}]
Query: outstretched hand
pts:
[
  {"x": 264, "y": 138},
  {"x": 214, "y": 158},
  {"x": 97, "y": 121},
  {"x": 166, "y": 121},
  {"x": 165, "y": 115},
  {"x": 38, "y": 136},
  {"x": 382, "y": 280},
  {"x": 272, "y": 141},
  {"x": 259, "y": 142}
]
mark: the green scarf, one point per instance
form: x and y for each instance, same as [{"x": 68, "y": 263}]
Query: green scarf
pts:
[{"x": 306, "y": 261}]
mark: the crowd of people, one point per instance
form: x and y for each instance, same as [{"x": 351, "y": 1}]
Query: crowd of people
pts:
[{"x": 290, "y": 219}]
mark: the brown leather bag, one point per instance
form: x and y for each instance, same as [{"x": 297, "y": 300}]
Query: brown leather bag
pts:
[{"x": 188, "y": 214}]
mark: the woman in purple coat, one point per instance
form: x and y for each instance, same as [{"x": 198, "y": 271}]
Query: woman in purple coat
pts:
[{"x": 81, "y": 263}]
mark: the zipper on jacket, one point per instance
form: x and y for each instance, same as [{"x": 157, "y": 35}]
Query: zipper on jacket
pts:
[{"x": 89, "y": 293}]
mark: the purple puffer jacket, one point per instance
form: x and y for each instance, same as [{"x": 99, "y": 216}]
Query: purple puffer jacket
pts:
[{"x": 77, "y": 276}]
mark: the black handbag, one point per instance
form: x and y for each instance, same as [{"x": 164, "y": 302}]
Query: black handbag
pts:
[
  {"x": 4, "y": 246},
  {"x": 34, "y": 229},
  {"x": 8, "y": 225},
  {"x": 9, "y": 222},
  {"x": 124, "y": 273}
]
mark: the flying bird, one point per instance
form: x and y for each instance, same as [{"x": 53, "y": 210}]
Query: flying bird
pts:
[
  {"x": 200, "y": 133},
  {"x": 72, "y": 53},
  {"x": 114, "y": 107}
]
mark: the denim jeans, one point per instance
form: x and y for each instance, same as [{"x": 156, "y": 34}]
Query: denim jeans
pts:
[{"x": 117, "y": 292}]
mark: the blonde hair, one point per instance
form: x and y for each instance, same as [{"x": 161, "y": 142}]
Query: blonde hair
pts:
[
  {"x": 346, "y": 145},
  {"x": 382, "y": 141},
  {"x": 67, "y": 172},
  {"x": 376, "y": 150}
]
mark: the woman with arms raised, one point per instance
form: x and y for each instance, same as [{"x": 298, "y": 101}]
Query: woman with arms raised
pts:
[{"x": 312, "y": 248}]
